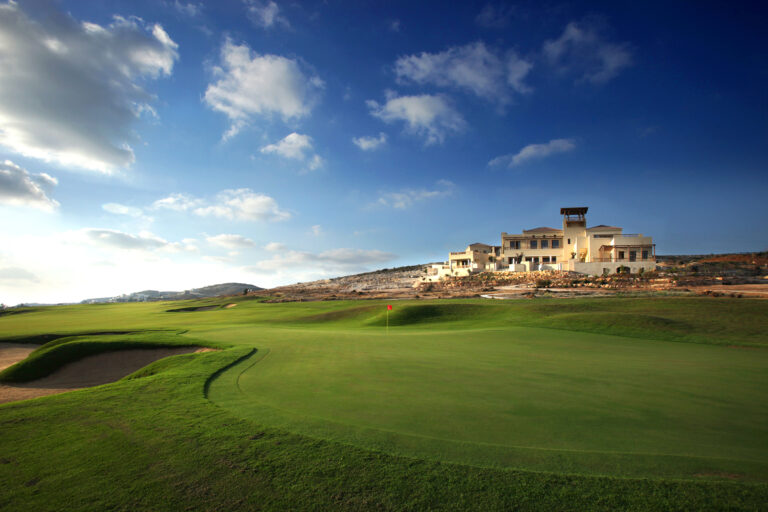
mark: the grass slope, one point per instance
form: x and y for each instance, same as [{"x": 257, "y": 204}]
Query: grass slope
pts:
[{"x": 328, "y": 412}]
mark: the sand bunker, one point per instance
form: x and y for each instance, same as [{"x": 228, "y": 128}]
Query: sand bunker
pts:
[
  {"x": 11, "y": 353},
  {"x": 87, "y": 372}
]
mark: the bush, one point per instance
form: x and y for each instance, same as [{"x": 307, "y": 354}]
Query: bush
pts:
[{"x": 543, "y": 283}]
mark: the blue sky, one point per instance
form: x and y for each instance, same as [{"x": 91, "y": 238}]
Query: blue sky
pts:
[{"x": 174, "y": 144}]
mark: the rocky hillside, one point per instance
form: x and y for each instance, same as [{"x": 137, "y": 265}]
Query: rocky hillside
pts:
[{"x": 215, "y": 290}]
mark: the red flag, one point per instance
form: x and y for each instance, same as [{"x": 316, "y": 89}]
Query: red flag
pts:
[{"x": 389, "y": 307}]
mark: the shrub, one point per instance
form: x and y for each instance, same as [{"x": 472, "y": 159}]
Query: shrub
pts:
[{"x": 543, "y": 283}]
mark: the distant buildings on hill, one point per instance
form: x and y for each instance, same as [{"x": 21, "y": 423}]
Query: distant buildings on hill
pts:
[{"x": 597, "y": 250}]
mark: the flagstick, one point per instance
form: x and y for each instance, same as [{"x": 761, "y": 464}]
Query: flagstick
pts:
[{"x": 387, "y": 321}]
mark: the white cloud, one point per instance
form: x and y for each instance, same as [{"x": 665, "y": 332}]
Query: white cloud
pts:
[
  {"x": 406, "y": 198},
  {"x": 582, "y": 50},
  {"x": 177, "y": 202},
  {"x": 120, "y": 240},
  {"x": 429, "y": 116},
  {"x": 243, "y": 204},
  {"x": 248, "y": 84},
  {"x": 121, "y": 209},
  {"x": 534, "y": 151},
  {"x": 189, "y": 9},
  {"x": 275, "y": 247},
  {"x": 71, "y": 91},
  {"x": 495, "y": 15},
  {"x": 317, "y": 230},
  {"x": 370, "y": 143},
  {"x": 472, "y": 67},
  {"x": 331, "y": 262},
  {"x": 229, "y": 241},
  {"x": 394, "y": 25},
  {"x": 294, "y": 145},
  {"x": 265, "y": 14},
  {"x": 234, "y": 204},
  {"x": 19, "y": 187}
]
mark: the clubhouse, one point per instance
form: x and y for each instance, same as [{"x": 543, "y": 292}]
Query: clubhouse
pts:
[{"x": 596, "y": 250}]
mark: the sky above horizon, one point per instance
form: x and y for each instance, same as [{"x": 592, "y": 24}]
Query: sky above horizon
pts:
[{"x": 173, "y": 144}]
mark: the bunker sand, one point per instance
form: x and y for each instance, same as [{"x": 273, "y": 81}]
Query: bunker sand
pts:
[{"x": 89, "y": 371}]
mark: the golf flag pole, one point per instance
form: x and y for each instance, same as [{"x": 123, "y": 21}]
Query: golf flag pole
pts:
[{"x": 389, "y": 308}]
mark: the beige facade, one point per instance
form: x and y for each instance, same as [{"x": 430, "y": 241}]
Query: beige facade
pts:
[{"x": 574, "y": 247}]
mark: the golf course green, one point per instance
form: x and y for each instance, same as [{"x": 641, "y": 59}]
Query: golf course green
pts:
[{"x": 605, "y": 403}]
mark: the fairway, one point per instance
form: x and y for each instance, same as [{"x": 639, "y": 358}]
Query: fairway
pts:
[
  {"x": 545, "y": 387},
  {"x": 521, "y": 397}
]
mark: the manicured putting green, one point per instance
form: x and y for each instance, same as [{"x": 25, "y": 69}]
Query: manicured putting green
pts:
[{"x": 444, "y": 385}]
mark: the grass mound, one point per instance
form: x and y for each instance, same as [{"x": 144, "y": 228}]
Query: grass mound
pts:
[
  {"x": 346, "y": 314},
  {"x": 417, "y": 314}
]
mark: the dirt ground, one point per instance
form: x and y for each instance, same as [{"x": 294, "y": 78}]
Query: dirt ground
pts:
[
  {"x": 87, "y": 372},
  {"x": 753, "y": 291}
]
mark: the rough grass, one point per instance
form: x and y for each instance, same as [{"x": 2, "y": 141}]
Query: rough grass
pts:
[{"x": 334, "y": 404}]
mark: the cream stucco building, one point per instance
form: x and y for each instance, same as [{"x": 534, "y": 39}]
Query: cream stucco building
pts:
[{"x": 575, "y": 247}]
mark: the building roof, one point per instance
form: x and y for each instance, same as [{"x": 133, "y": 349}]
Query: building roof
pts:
[
  {"x": 603, "y": 226},
  {"x": 480, "y": 243},
  {"x": 574, "y": 210},
  {"x": 542, "y": 230}
]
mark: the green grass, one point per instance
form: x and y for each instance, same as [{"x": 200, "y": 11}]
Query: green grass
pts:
[{"x": 469, "y": 404}]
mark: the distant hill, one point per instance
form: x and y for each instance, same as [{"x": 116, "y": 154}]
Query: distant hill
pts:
[{"x": 215, "y": 290}]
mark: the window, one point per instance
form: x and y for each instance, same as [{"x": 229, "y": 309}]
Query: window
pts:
[
  {"x": 514, "y": 244},
  {"x": 528, "y": 258},
  {"x": 645, "y": 255},
  {"x": 555, "y": 244},
  {"x": 545, "y": 259},
  {"x": 621, "y": 255},
  {"x": 632, "y": 255},
  {"x": 554, "y": 259},
  {"x": 545, "y": 244},
  {"x": 535, "y": 259},
  {"x": 534, "y": 244},
  {"x": 569, "y": 241}
]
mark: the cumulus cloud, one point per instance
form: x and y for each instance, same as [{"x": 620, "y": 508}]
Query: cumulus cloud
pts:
[
  {"x": 406, "y": 198},
  {"x": 429, "y": 116},
  {"x": 234, "y": 204},
  {"x": 20, "y": 187},
  {"x": 317, "y": 230},
  {"x": 582, "y": 50},
  {"x": 370, "y": 143},
  {"x": 296, "y": 147},
  {"x": 534, "y": 151},
  {"x": 265, "y": 14},
  {"x": 248, "y": 84},
  {"x": 229, "y": 241},
  {"x": 71, "y": 91},
  {"x": 473, "y": 67},
  {"x": 120, "y": 240},
  {"x": 334, "y": 261},
  {"x": 177, "y": 202}
]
